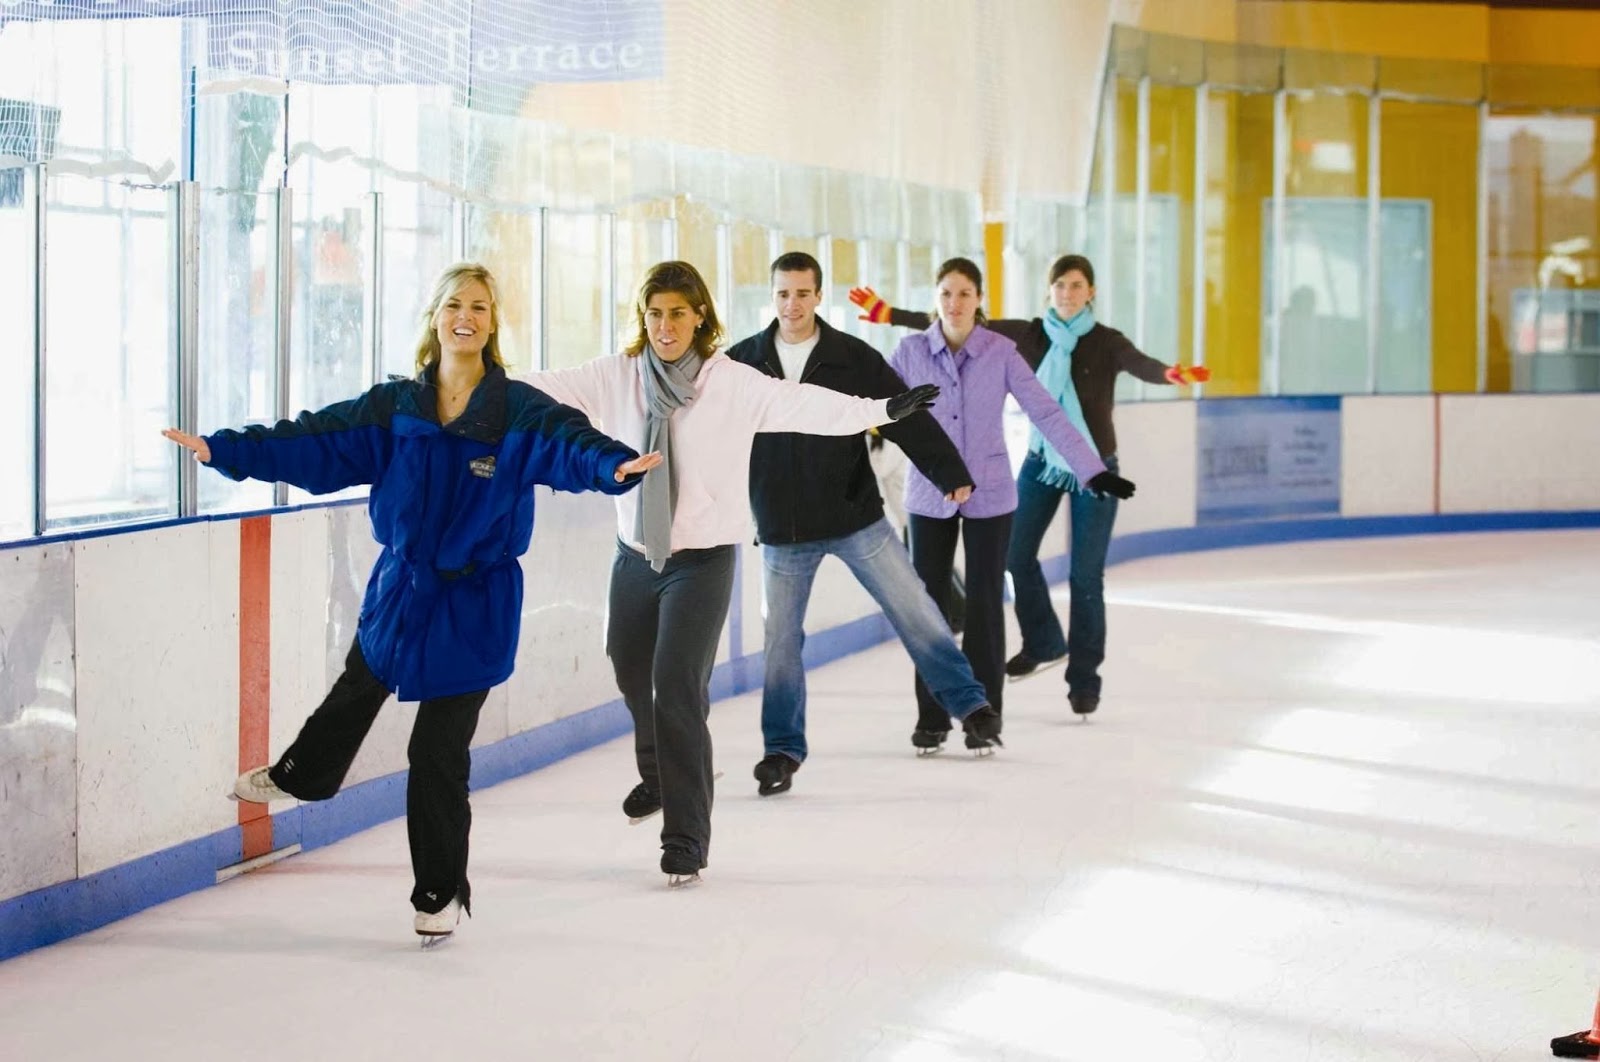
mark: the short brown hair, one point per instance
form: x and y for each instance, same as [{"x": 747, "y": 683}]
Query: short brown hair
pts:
[{"x": 678, "y": 278}]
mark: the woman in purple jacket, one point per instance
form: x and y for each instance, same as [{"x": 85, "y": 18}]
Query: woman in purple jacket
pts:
[{"x": 975, "y": 369}]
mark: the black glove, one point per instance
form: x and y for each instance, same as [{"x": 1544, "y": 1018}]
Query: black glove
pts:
[
  {"x": 915, "y": 400},
  {"x": 1112, "y": 484}
]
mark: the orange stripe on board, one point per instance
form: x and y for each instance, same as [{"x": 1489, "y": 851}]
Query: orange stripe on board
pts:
[{"x": 255, "y": 670}]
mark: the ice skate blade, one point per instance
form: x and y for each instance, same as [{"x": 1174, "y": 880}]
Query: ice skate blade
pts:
[
  {"x": 634, "y": 820},
  {"x": 921, "y": 753},
  {"x": 1046, "y": 666},
  {"x": 987, "y": 750},
  {"x": 433, "y": 940},
  {"x": 679, "y": 881}
]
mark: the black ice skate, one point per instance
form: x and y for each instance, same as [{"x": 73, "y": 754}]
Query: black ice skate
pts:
[
  {"x": 1084, "y": 704},
  {"x": 928, "y": 742},
  {"x": 436, "y": 928},
  {"x": 681, "y": 864},
  {"x": 775, "y": 772},
  {"x": 983, "y": 731},
  {"x": 641, "y": 803},
  {"x": 1022, "y": 665}
]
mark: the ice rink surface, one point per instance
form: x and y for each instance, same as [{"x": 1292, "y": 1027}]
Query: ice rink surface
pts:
[{"x": 1342, "y": 801}]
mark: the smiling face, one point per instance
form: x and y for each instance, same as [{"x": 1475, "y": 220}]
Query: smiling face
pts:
[
  {"x": 464, "y": 320},
  {"x": 1070, "y": 293},
  {"x": 670, "y": 323},
  {"x": 794, "y": 300}
]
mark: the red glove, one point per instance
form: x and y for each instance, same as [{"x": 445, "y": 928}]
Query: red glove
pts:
[
  {"x": 1191, "y": 374},
  {"x": 867, "y": 299}
]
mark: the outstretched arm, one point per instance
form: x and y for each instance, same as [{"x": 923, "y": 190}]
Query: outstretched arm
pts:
[
  {"x": 919, "y": 435},
  {"x": 566, "y": 452},
  {"x": 878, "y": 311},
  {"x": 343, "y": 445},
  {"x": 1052, "y": 421}
]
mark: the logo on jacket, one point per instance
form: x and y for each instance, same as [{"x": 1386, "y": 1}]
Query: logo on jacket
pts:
[{"x": 482, "y": 467}]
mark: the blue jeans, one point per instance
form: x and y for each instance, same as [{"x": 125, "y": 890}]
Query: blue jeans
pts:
[
  {"x": 876, "y": 557},
  {"x": 1091, "y": 520}
]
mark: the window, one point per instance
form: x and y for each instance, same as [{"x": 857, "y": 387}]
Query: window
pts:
[
  {"x": 577, "y": 288},
  {"x": 241, "y": 165}
]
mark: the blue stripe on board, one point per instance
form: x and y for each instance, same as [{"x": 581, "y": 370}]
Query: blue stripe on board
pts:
[{"x": 54, "y": 913}]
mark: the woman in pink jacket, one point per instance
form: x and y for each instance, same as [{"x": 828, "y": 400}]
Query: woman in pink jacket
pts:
[
  {"x": 976, "y": 369},
  {"x": 673, "y": 573}
]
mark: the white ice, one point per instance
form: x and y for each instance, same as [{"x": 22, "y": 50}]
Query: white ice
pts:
[{"x": 1340, "y": 803}]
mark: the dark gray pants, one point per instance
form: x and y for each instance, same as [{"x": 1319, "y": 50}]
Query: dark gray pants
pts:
[
  {"x": 662, "y": 638},
  {"x": 438, "y": 813}
]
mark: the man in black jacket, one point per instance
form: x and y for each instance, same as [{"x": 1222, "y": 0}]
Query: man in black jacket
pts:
[{"x": 814, "y": 495}]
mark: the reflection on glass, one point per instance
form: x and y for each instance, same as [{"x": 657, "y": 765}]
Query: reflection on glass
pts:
[
  {"x": 847, "y": 263},
  {"x": 507, "y": 244},
  {"x": 576, "y": 288},
  {"x": 241, "y": 162},
  {"x": 16, "y": 400},
  {"x": 751, "y": 310},
  {"x": 1544, "y": 253},
  {"x": 697, "y": 240},
  {"x": 111, "y": 371},
  {"x": 1324, "y": 319},
  {"x": 416, "y": 249},
  {"x": 1162, "y": 306},
  {"x": 643, "y": 231}
]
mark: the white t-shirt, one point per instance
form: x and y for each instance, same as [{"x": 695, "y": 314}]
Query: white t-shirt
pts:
[{"x": 793, "y": 356}]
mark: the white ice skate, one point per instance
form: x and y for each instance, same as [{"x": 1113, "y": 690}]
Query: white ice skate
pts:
[
  {"x": 435, "y": 929},
  {"x": 678, "y": 881},
  {"x": 256, "y": 787}
]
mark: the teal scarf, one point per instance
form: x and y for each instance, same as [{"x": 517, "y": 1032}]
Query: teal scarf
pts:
[{"x": 1055, "y": 372}]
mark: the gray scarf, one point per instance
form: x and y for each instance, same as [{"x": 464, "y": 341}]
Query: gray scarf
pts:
[{"x": 668, "y": 387}]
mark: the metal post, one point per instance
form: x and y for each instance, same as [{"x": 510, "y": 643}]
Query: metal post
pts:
[
  {"x": 37, "y": 185},
  {"x": 1374, "y": 293},
  {"x": 284, "y": 252},
  {"x": 185, "y": 208},
  {"x": 1141, "y": 216},
  {"x": 1108, "y": 203},
  {"x": 1280, "y": 275},
  {"x": 1202, "y": 106},
  {"x": 373, "y": 302}
]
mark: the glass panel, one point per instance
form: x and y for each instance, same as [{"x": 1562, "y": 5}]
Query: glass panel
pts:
[
  {"x": 1238, "y": 184},
  {"x": 846, "y": 274},
  {"x": 110, "y": 375},
  {"x": 1169, "y": 283},
  {"x": 752, "y": 281},
  {"x": 1324, "y": 322},
  {"x": 1430, "y": 153},
  {"x": 697, "y": 239},
  {"x": 16, "y": 310},
  {"x": 1163, "y": 308},
  {"x": 1544, "y": 253},
  {"x": 881, "y": 272},
  {"x": 918, "y": 283},
  {"x": 643, "y": 230},
  {"x": 332, "y": 233},
  {"x": 416, "y": 249},
  {"x": 507, "y": 244},
  {"x": 577, "y": 290},
  {"x": 240, "y": 164}
]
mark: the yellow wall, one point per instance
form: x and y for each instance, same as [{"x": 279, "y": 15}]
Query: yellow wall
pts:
[
  {"x": 1418, "y": 31},
  {"x": 1238, "y": 181},
  {"x": 1427, "y": 148}
]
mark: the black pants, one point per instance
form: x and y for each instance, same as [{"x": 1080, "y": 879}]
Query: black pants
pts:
[
  {"x": 438, "y": 815},
  {"x": 662, "y": 639},
  {"x": 933, "y": 554}
]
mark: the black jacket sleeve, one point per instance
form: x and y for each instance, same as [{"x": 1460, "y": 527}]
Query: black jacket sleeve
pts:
[
  {"x": 1135, "y": 362},
  {"x": 919, "y": 435},
  {"x": 909, "y": 318}
]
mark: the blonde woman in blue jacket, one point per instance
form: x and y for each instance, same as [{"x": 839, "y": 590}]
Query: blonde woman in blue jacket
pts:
[{"x": 452, "y": 458}]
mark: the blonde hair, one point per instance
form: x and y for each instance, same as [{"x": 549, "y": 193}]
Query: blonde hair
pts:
[
  {"x": 451, "y": 281},
  {"x": 679, "y": 278}
]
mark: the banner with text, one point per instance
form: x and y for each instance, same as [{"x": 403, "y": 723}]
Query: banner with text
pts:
[{"x": 1261, "y": 458}]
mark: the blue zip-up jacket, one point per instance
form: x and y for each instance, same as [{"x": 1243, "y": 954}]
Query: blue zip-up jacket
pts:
[{"x": 452, "y": 507}]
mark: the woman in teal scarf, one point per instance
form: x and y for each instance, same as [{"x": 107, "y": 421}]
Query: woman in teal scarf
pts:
[{"x": 1077, "y": 359}]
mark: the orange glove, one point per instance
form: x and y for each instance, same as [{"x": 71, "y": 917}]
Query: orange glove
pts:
[
  {"x": 867, "y": 299},
  {"x": 1191, "y": 374}
]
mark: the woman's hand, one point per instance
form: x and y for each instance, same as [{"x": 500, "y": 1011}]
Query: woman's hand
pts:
[
  {"x": 638, "y": 466},
  {"x": 877, "y": 311},
  {"x": 912, "y": 401},
  {"x": 193, "y": 443},
  {"x": 960, "y": 495}
]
